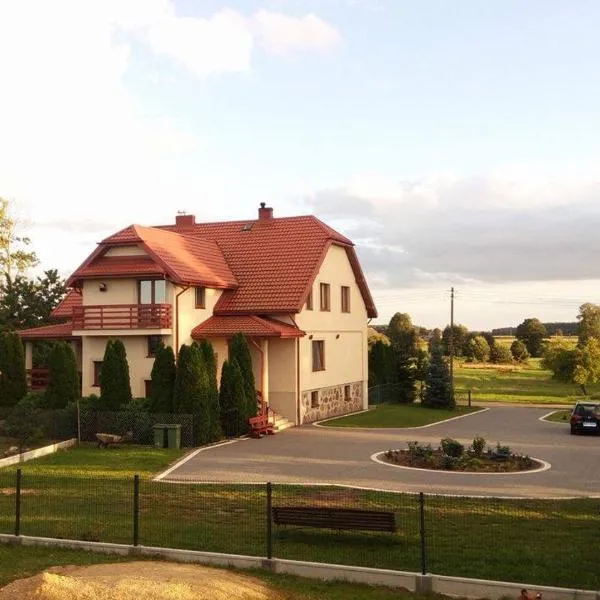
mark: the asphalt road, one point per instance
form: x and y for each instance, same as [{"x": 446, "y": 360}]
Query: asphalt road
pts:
[{"x": 311, "y": 454}]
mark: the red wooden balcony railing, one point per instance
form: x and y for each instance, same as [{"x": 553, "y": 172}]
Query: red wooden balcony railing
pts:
[
  {"x": 122, "y": 316},
  {"x": 37, "y": 379}
]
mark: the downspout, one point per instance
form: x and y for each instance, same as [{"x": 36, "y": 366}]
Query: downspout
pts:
[
  {"x": 176, "y": 349},
  {"x": 262, "y": 361},
  {"x": 298, "y": 398}
]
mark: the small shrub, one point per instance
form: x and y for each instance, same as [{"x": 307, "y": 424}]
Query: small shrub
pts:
[
  {"x": 478, "y": 445},
  {"x": 416, "y": 451},
  {"x": 448, "y": 462},
  {"x": 452, "y": 447}
]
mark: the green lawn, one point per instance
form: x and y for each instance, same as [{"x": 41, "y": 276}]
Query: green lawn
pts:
[
  {"x": 514, "y": 383},
  {"x": 560, "y": 416},
  {"x": 18, "y": 562},
  {"x": 87, "y": 493},
  {"x": 399, "y": 415}
]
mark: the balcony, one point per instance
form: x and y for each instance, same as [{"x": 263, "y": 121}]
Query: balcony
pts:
[{"x": 122, "y": 316}]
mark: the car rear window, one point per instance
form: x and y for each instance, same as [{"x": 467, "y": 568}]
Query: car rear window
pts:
[{"x": 587, "y": 409}]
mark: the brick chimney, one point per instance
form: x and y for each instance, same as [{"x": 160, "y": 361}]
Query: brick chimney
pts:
[
  {"x": 185, "y": 221},
  {"x": 265, "y": 213}
]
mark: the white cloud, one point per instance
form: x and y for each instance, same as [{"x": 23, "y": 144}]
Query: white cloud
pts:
[{"x": 281, "y": 34}]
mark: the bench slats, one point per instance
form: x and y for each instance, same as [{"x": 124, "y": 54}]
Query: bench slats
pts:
[{"x": 335, "y": 518}]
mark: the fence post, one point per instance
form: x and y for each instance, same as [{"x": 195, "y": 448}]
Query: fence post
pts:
[
  {"x": 18, "y": 503},
  {"x": 136, "y": 510},
  {"x": 422, "y": 533},
  {"x": 469, "y": 397},
  {"x": 269, "y": 520}
]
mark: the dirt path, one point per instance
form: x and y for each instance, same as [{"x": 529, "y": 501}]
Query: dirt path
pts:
[{"x": 135, "y": 580}]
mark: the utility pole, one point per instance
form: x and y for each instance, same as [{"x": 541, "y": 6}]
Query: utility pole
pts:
[{"x": 452, "y": 340}]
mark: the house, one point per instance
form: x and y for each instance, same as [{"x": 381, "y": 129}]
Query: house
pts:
[{"x": 292, "y": 285}]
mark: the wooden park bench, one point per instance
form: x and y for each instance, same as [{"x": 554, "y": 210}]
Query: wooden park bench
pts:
[
  {"x": 263, "y": 423},
  {"x": 335, "y": 518}
]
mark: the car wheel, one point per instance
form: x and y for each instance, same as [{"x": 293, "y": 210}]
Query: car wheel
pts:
[{"x": 573, "y": 431}]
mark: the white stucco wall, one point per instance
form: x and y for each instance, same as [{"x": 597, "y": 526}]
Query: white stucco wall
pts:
[
  {"x": 126, "y": 251},
  {"x": 189, "y": 315},
  {"x": 344, "y": 334}
]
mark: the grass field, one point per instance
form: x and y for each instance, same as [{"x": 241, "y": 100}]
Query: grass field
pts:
[
  {"x": 514, "y": 383},
  {"x": 87, "y": 494},
  {"x": 559, "y": 416},
  {"x": 18, "y": 562},
  {"x": 399, "y": 415}
]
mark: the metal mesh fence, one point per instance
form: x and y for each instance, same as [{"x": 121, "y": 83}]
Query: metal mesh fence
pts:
[{"x": 550, "y": 542}]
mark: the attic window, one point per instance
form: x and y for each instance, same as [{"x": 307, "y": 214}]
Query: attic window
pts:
[{"x": 247, "y": 227}]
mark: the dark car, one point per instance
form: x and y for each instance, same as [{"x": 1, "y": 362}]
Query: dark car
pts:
[{"x": 585, "y": 418}]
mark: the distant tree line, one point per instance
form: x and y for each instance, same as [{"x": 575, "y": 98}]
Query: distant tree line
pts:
[{"x": 557, "y": 328}]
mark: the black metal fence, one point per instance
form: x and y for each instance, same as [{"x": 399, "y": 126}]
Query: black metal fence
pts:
[{"x": 550, "y": 542}]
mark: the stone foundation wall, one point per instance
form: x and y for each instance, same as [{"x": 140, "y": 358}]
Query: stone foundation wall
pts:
[{"x": 332, "y": 402}]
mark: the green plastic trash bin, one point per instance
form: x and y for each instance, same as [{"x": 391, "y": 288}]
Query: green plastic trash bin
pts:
[{"x": 167, "y": 435}]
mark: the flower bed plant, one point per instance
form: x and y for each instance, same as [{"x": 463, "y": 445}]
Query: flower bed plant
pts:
[{"x": 451, "y": 455}]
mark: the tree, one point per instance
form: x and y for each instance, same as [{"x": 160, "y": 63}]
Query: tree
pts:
[
  {"x": 232, "y": 399},
  {"x": 438, "y": 385},
  {"x": 532, "y": 333},
  {"x": 405, "y": 344},
  {"x": 186, "y": 380},
  {"x": 240, "y": 352},
  {"x": 15, "y": 258},
  {"x": 519, "y": 351},
  {"x": 489, "y": 338},
  {"x": 435, "y": 339},
  {"x": 501, "y": 354},
  {"x": 421, "y": 370},
  {"x": 213, "y": 409},
  {"x": 579, "y": 365},
  {"x": 63, "y": 377},
  {"x": 382, "y": 364},
  {"x": 163, "y": 381},
  {"x": 478, "y": 349},
  {"x": 13, "y": 376},
  {"x": 460, "y": 333},
  {"x": 589, "y": 322},
  {"x": 28, "y": 302},
  {"x": 115, "y": 385}
]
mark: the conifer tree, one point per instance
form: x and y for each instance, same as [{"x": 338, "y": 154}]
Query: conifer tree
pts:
[
  {"x": 210, "y": 362},
  {"x": 186, "y": 381},
  {"x": 115, "y": 386},
  {"x": 13, "y": 376},
  {"x": 63, "y": 377},
  {"x": 232, "y": 400},
  {"x": 438, "y": 386},
  {"x": 163, "y": 381},
  {"x": 240, "y": 352}
]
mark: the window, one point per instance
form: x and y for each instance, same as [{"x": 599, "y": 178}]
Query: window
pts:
[
  {"x": 309, "y": 300},
  {"x": 97, "y": 373},
  {"x": 318, "y": 355},
  {"x": 154, "y": 343},
  {"x": 200, "y": 297},
  {"x": 314, "y": 399},
  {"x": 152, "y": 291},
  {"x": 347, "y": 394},
  {"x": 147, "y": 388},
  {"x": 345, "y": 299},
  {"x": 324, "y": 288}
]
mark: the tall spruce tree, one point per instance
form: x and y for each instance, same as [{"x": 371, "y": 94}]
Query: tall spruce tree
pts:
[
  {"x": 200, "y": 401},
  {"x": 163, "y": 381},
  {"x": 232, "y": 400},
  {"x": 438, "y": 386},
  {"x": 405, "y": 343},
  {"x": 63, "y": 377},
  {"x": 186, "y": 381},
  {"x": 210, "y": 361},
  {"x": 115, "y": 386},
  {"x": 13, "y": 376},
  {"x": 240, "y": 352}
]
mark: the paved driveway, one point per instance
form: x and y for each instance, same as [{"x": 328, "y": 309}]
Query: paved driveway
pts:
[{"x": 310, "y": 454}]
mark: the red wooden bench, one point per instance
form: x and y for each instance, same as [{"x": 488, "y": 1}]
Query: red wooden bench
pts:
[{"x": 263, "y": 422}]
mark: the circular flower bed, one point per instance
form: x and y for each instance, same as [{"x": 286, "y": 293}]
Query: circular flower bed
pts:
[{"x": 451, "y": 455}]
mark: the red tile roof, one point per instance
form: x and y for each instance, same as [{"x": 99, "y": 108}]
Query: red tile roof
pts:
[
  {"x": 275, "y": 262},
  {"x": 251, "y": 326},
  {"x": 60, "y": 331},
  {"x": 64, "y": 310},
  {"x": 185, "y": 259}
]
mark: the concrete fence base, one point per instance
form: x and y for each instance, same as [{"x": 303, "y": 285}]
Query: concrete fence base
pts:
[
  {"x": 15, "y": 459},
  {"x": 414, "y": 582}
]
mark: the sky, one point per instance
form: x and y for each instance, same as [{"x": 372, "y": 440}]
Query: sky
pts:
[{"x": 456, "y": 143}]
